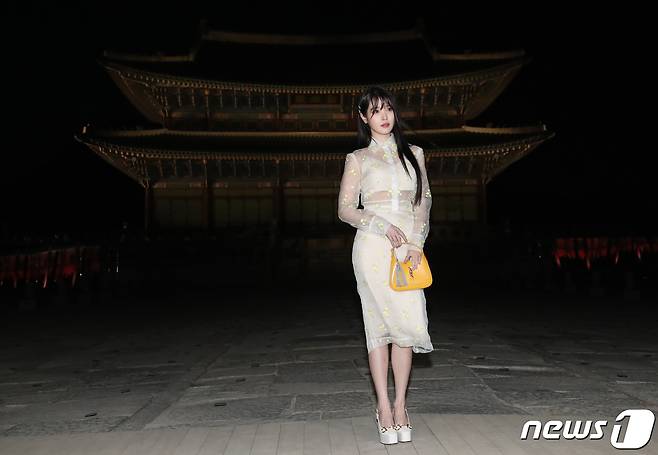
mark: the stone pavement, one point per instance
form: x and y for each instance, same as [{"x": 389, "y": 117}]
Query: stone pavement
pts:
[{"x": 208, "y": 360}]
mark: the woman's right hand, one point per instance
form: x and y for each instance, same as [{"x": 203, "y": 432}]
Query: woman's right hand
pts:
[{"x": 396, "y": 236}]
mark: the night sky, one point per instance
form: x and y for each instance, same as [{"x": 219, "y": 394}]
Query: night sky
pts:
[{"x": 588, "y": 82}]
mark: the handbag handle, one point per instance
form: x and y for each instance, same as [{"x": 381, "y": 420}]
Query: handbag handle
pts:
[{"x": 409, "y": 243}]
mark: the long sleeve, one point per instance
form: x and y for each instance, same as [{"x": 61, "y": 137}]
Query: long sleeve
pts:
[
  {"x": 421, "y": 224},
  {"x": 348, "y": 201}
]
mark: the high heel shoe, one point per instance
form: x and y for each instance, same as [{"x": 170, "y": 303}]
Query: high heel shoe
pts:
[
  {"x": 404, "y": 431},
  {"x": 387, "y": 435}
]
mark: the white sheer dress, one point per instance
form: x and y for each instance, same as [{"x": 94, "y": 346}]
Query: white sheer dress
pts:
[{"x": 387, "y": 194}]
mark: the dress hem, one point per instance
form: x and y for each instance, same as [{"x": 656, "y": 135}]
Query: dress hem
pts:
[{"x": 403, "y": 343}]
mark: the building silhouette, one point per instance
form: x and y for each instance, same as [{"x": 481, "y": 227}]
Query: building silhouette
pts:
[{"x": 260, "y": 147}]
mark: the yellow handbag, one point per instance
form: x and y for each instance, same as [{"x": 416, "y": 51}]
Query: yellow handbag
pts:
[{"x": 405, "y": 279}]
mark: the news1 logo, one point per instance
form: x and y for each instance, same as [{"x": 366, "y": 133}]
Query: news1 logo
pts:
[{"x": 638, "y": 429}]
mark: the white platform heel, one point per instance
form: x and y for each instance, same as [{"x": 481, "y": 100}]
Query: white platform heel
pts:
[
  {"x": 387, "y": 435},
  {"x": 404, "y": 431}
]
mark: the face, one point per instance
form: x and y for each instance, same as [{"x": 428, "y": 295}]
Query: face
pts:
[{"x": 380, "y": 118}]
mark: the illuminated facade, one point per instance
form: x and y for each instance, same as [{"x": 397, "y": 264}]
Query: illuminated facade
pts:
[{"x": 247, "y": 150}]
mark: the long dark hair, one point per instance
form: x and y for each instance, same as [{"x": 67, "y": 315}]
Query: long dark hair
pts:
[{"x": 378, "y": 97}]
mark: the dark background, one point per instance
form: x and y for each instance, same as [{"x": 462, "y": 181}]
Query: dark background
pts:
[{"x": 588, "y": 81}]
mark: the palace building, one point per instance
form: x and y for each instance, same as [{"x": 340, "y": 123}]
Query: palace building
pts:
[{"x": 250, "y": 131}]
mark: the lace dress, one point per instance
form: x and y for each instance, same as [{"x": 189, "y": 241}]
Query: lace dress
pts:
[{"x": 387, "y": 194}]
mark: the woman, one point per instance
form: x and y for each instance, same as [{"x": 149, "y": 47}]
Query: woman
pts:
[{"x": 391, "y": 178}]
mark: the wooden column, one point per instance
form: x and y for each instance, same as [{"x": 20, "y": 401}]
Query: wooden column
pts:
[
  {"x": 482, "y": 213},
  {"x": 278, "y": 198},
  {"x": 207, "y": 218},
  {"x": 482, "y": 202},
  {"x": 148, "y": 207}
]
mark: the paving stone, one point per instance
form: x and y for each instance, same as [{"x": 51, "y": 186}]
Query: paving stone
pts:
[
  {"x": 467, "y": 399},
  {"x": 508, "y": 357},
  {"x": 568, "y": 401},
  {"x": 266, "y": 366},
  {"x": 618, "y": 361},
  {"x": 113, "y": 377},
  {"x": 246, "y": 381},
  {"x": 629, "y": 376},
  {"x": 307, "y": 388},
  {"x": 586, "y": 409},
  {"x": 34, "y": 380},
  {"x": 21, "y": 397},
  {"x": 308, "y": 416},
  {"x": 73, "y": 410},
  {"x": 333, "y": 401},
  {"x": 368, "y": 411},
  {"x": 143, "y": 389},
  {"x": 441, "y": 372},
  {"x": 215, "y": 374},
  {"x": 327, "y": 342},
  {"x": 443, "y": 384},
  {"x": 239, "y": 410},
  {"x": 323, "y": 355},
  {"x": 647, "y": 392},
  {"x": 256, "y": 358},
  {"x": 224, "y": 391},
  {"x": 518, "y": 381},
  {"x": 484, "y": 367},
  {"x": 256, "y": 345},
  {"x": 317, "y": 372},
  {"x": 38, "y": 428}
]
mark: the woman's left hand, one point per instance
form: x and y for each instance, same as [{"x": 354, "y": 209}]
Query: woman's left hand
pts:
[{"x": 415, "y": 258}]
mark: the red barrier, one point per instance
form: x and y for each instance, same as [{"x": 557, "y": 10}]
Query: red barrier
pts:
[
  {"x": 590, "y": 248},
  {"x": 56, "y": 264}
]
